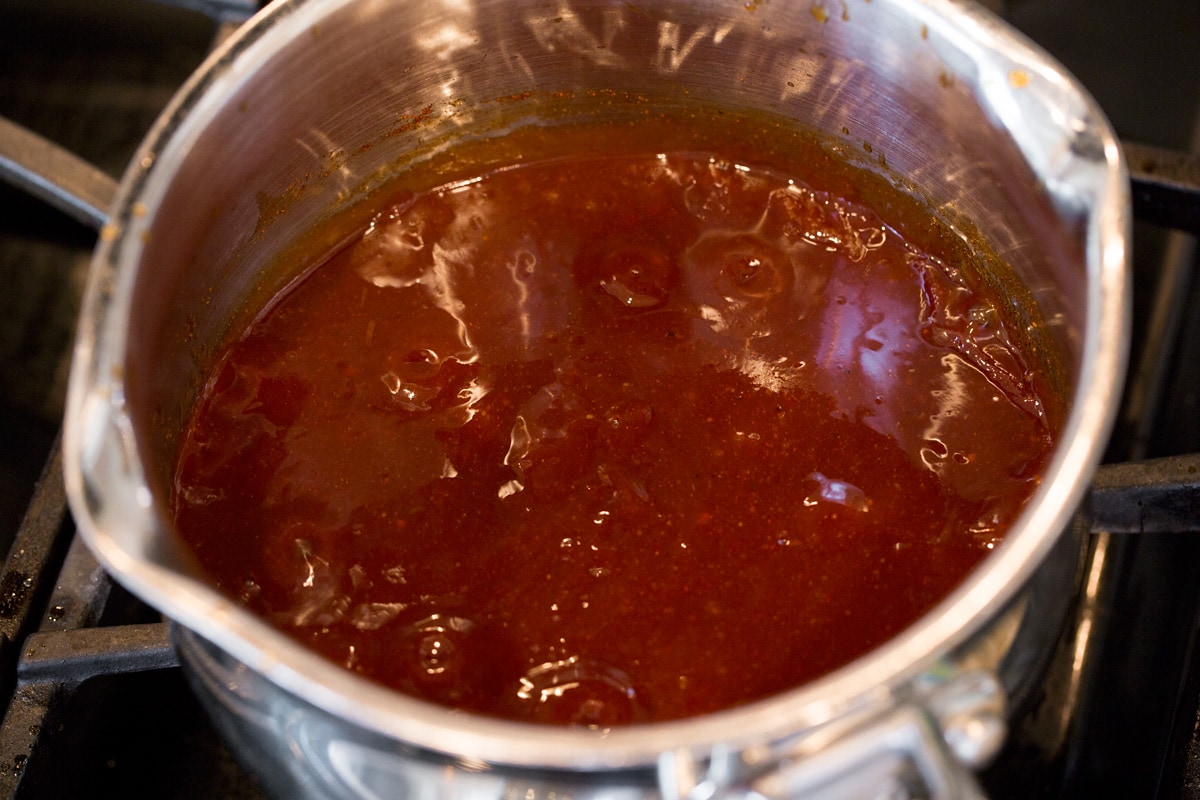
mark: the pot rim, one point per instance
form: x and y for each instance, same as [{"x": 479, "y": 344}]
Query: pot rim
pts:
[{"x": 95, "y": 410}]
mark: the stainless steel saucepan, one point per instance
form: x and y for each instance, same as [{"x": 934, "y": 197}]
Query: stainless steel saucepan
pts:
[{"x": 315, "y": 102}]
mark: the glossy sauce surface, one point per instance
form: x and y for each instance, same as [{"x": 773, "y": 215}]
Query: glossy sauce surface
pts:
[{"x": 612, "y": 439}]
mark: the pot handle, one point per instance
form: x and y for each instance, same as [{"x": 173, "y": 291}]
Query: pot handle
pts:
[
  {"x": 1160, "y": 495},
  {"x": 50, "y": 173},
  {"x": 925, "y": 747}
]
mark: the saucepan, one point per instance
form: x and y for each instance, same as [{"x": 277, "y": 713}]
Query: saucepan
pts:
[{"x": 315, "y": 103}]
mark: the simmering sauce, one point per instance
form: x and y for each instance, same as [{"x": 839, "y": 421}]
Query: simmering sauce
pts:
[{"x": 614, "y": 437}]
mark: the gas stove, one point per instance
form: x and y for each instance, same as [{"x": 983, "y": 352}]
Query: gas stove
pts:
[{"x": 92, "y": 699}]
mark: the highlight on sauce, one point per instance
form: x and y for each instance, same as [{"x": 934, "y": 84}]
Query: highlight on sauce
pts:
[{"x": 618, "y": 433}]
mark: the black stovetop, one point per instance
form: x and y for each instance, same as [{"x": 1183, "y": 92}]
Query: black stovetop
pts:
[{"x": 93, "y": 76}]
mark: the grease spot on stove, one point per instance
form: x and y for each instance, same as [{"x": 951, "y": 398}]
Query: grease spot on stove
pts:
[
  {"x": 13, "y": 591},
  {"x": 16, "y": 767}
]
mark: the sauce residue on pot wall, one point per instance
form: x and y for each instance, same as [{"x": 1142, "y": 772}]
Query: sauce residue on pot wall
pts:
[{"x": 619, "y": 434}]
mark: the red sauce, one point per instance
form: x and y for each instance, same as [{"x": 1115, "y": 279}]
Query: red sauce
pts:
[{"x": 612, "y": 439}]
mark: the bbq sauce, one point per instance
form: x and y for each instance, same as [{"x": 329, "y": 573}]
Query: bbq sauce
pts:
[{"x": 616, "y": 434}]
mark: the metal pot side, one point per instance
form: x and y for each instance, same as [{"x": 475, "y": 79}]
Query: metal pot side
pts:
[{"x": 316, "y": 102}]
